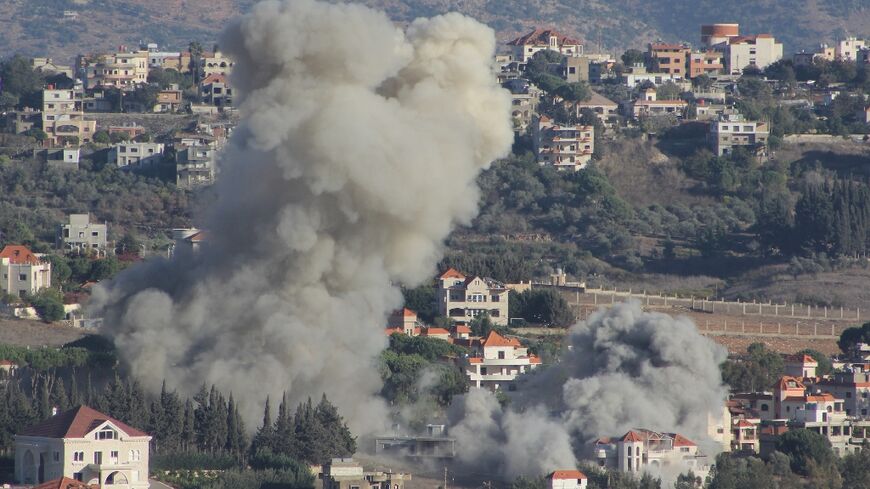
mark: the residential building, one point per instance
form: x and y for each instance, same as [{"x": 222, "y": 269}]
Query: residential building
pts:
[
  {"x": 496, "y": 361},
  {"x": 733, "y": 130},
  {"x": 575, "y": 69},
  {"x": 346, "y": 473},
  {"x": 84, "y": 445},
  {"x": 648, "y": 105},
  {"x": 713, "y": 34},
  {"x": 567, "y": 479},
  {"x": 186, "y": 241},
  {"x": 524, "y": 102},
  {"x": 433, "y": 444},
  {"x": 194, "y": 165},
  {"x": 640, "y": 450},
  {"x": 66, "y": 483},
  {"x": 124, "y": 70},
  {"x": 135, "y": 155},
  {"x": 669, "y": 58},
  {"x": 758, "y": 51},
  {"x": 20, "y": 121},
  {"x": 24, "y": 272},
  {"x": 169, "y": 100},
  {"x": 130, "y": 129},
  {"x": 98, "y": 100},
  {"x": 524, "y": 47},
  {"x": 48, "y": 67},
  {"x": 852, "y": 385},
  {"x": 62, "y": 158},
  {"x": 81, "y": 235},
  {"x": 563, "y": 147},
  {"x": 464, "y": 298},
  {"x": 607, "y": 110},
  {"x": 800, "y": 366},
  {"x": 161, "y": 59},
  {"x": 709, "y": 111},
  {"x": 63, "y": 117},
  {"x": 745, "y": 436},
  {"x": 705, "y": 63},
  {"x": 404, "y": 321},
  {"x": 436, "y": 333},
  {"x": 215, "y": 90},
  {"x": 850, "y": 48},
  {"x": 216, "y": 64},
  {"x": 637, "y": 75}
]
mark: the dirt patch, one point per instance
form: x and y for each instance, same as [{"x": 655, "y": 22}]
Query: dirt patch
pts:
[{"x": 22, "y": 332}]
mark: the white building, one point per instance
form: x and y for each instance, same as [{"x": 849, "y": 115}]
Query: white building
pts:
[
  {"x": 563, "y": 147},
  {"x": 567, "y": 479},
  {"x": 133, "y": 154},
  {"x": 82, "y": 235},
  {"x": 640, "y": 450},
  {"x": 85, "y": 445},
  {"x": 800, "y": 366},
  {"x": 464, "y": 298},
  {"x": 758, "y": 51},
  {"x": 24, "y": 272},
  {"x": 216, "y": 64},
  {"x": 649, "y": 105},
  {"x": 850, "y": 48},
  {"x": 524, "y": 47},
  {"x": 733, "y": 130},
  {"x": 496, "y": 361}
]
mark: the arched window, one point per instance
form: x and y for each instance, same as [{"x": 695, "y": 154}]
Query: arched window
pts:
[{"x": 116, "y": 478}]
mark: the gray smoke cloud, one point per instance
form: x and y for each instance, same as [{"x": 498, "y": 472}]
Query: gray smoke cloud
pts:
[
  {"x": 358, "y": 153},
  {"x": 624, "y": 368}
]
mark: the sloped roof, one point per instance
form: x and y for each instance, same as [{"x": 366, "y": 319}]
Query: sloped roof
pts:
[
  {"x": 19, "y": 255},
  {"x": 785, "y": 380},
  {"x": 214, "y": 78},
  {"x": 804, "y": 359},
  {"x": 408, "y": 313},
  {"x": 65, "y": 483},
  {"x": 460, "y": 329},
  {"x": 631, "y": 436},
  {"x": 541, "y": 36},
  {"x": 495, "y": 339},
  {"x": 597, "y": 100},
  {"x": 452, "y": 273},
  {"x": 76, "y": 423},
  {"x": 682, "y": 441},
  {"x": 744, "y": 424},
  {"x": 437, "y": 331},
  {"x": 566, "y": 474}
]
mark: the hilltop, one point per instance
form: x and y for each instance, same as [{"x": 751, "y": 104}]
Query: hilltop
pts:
[{"x": 38, "y": 27}]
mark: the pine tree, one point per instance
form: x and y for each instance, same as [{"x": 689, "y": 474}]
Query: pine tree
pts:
[
  {"x": 265, "y": 435},
  {"x": 75, "y": 397},
  {"x": 44, "y": 403},
  {"x": 59, "y": 398},
  {"x": 188, "y": 432}
]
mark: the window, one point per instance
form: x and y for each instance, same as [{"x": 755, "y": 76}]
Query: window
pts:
[
  {"x": 501, "y": 355},
  {"x": 107, "y": 434},
  {"x": 863, "y": 395},
  {"x": 22, "y": 277},
  {"x": 56, "y": 456},
  {"x": 684, "y": 449},
  {"x": 482, "y": 370},
  {"x": 98, "y": 458},
  {"x": 77, "y": 476},
  {"x": 78, "y": 456},
  {"x": 95, "y": 233},
  {"x": 113, "y": 456},
  {"x": 496, "y": 298},
  {"x": 764, "y": 407},
  {"x": 848, "y": 395}
]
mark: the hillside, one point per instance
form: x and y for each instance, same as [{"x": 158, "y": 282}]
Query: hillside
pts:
[{"x": 37, "y": 27}]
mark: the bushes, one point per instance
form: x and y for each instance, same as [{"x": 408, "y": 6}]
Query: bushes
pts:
[
  {"x": 49, "y": 305},
  {"x": 193, "y": 461},
  {"x": 541, "y": 306}
]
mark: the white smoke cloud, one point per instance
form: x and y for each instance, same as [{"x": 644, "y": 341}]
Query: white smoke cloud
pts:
[
  {"x": 625, "y": 369},
  {"x": 358, "y": 153}
]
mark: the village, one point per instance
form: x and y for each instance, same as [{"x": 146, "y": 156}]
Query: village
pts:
[{"x": 167, "y": 115}]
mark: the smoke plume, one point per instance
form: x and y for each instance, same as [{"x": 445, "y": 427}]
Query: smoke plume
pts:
[
  {"x": 358, "y": 153},
  {"x": 624, "y": 368}
]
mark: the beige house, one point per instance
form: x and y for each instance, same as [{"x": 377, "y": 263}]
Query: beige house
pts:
[
  {"x": 464, "y": 298},
  {"x": 733, "y": 130},
  {"x": 216, "y": 64},
  {"x": 759, "y": 51},
  {"x": 640, "y": 450},
  {"x": 524, "y": 47},
  {"x": 649, "y": 105},
  {"x": 496, "y": 361},
  {"x": 81, "y": 235},
  {"x": 563, "y": 147},
  {"x": 63, "y": 116},
  {"x": 118, "y": 70},
  {"x": 23, "y": 272},
  {"x": 346, "y": 473},
  {"x": 605, "y": 109},
  {"x": 135, "y": 155},
  {"x": 85, "y": 445}
]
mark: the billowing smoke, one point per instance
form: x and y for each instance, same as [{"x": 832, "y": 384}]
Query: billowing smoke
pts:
[
  {"x": 358, "y": 153},
  {"x": 625, "y": 368}
]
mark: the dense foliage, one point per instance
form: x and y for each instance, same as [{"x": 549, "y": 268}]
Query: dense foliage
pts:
[
  {"x": 419, "y": 370},
  {"x": 757, "y": 371},
  {"x": 541, "y": 306}
]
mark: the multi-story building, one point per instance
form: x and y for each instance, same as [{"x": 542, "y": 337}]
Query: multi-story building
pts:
[
  {"x": 670, "y": 58},
  {"x": 124, "y": 70},
  {"x": 216, "y": 64},
  {"x": 20, "y": 121},
  {"x": 524, "y": 47},
  {"x": 215, "y": 90},
  {"x": 745, "y": 436},
  {"x": 194, "y": 165},
  {"x": 496, "y": 361},
  {"x": 640, "y": 449},
  {"x": 648, "y": 105},
  {"x": 404, "y": 321},
  {"x": 464, "y": 298},
  {"x": 605, "y": 109},
  {"x": 800, "y": 366},
  {"x": 758, "y": 51},
  {"x": 852, "y": 385},
  {"x": 169, "y": 100},
  {"x": 567, "y": 479},
  {"x": 575, "y": 69},
  {"x": 733, "y": 130},
  {"x": 705, "y": 63},
  {"x": 23, "y": 272},
  {"x": 84, "y": 445},
  {"x": 135, "y": 155},
  {"x": 524, "y": 102},
  {"x": 637, "y": 75},
  {"x": 63, "y": 117},
  {"x": 346, "y": 473},
  {"x": 850, "y": 48},
  {"x": 81, "y": 235},
  {"x": 563, "y": 147}
]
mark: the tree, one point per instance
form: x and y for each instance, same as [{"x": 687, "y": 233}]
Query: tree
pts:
[
  {"x": 856, "y": 469},
  {"x": 740, "y": 473},
  {"x": 850, "y": 337},
  {"x": 49, "y": 305},
  {"x": 633, "y": 57},
  {"x": 541, "y": 306},
  {"x": 703, "y": 82},
  {"x": 22, "y": 81},
  {"x": 422, "y": 301},
  {"x": 804, "y": 447},
  {"x": 102, "y": 137},
  {"x": 668, "y": 91},
  {"x": 760, "y": 369},
  {"x": 104, "y": 268}
]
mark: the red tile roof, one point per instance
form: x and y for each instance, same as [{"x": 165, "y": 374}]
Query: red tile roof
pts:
[
  {"x": 452, "y": 273},
  {"x": 76, "y": 423},
  {"x": 495, "y": 339},
  {"x": 5, "y": 363},
  {"x": 462, "y": 329},
  {"x": 682, "y": 441},
  {"x": 567, "y": 474},
  {"x": 408, "y": 313},
  {"x": 214, "y": 78},
  {"x": 65, "y": 483},
  {"x": 475, "y": 360},
  {"x": 19, "y": 255},
  {"x": 785, "y": 380},
  {"x": 631, "y": 436},
  {"x": 437, "y": 332},
  {"x": 541, "y": 36},
  {"x": 744, "y": 424}
]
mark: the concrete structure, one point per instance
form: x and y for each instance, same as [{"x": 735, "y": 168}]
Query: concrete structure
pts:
[
  {"x": 641, "y": 449},
  {"x": 852, "y": 385},
  {"x": 713, "y": 34},
  {"x": 567, "y": 479},
  {"x": 345, "y": 473},
  {"x": 61, "y": 158},
  {"x": 194, "y": 166},
  {"x": 524, "y": 47},
  {"x": 524, "y": 102},
  {"x": 705, "y": 63},
  {"x": 758, "y": 51},
  {"x": 117, "y": 70},
  {"x": 670, "y": 58},
  {"x": 800, "y": 366},
  {"x": 563, "y": 147},
  {"x": 48, "y": 67},
  {"x": 605, "y": 109},
  {"x": 63, "y": 116},
  {"x": 169, "y": 100},
  {"x": 135, "y": 155},
  {"x": 84, "y": 445},
  {"x": 849, "y": 49},
  {"x": 20, "y": 121},
  {"x": 216, "y": 64},
  {"x": 464, "y": 298},
  {"x": 638, "y": 75},
  {"x": 404, "y": 321},
  {"x": 23, "y": 272},
  {"x": 648, "y": 105},
  {"x": 733, "y": 130},
  {"x": 81, "y": 235},
  {"x": 496, "y": 361},
  {"x": 575, "y": 69},
  {"x": 215, "y": 90},
  {"x": 745, "y": 436}
]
